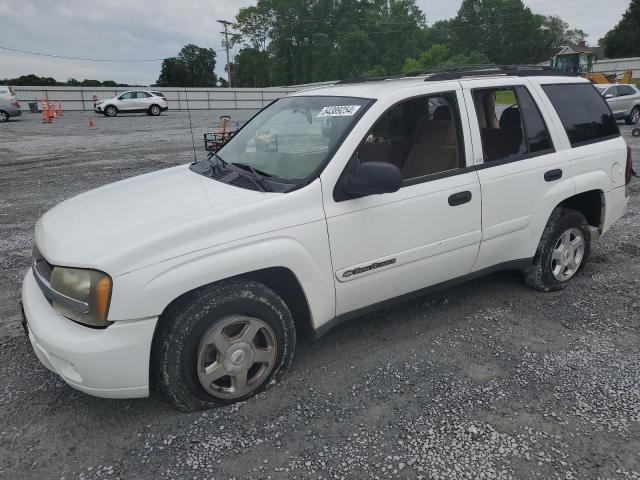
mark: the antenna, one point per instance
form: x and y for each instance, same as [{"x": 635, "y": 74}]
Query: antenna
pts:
[{"x": 193, "y": 143}]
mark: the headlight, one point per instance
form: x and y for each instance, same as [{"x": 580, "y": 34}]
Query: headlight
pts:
[{"x": 91, "y": 287}]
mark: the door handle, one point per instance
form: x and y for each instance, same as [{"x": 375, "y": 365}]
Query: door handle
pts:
[
  {"x": 459, "y": 198},
  {"x": 552, "y": 175}
]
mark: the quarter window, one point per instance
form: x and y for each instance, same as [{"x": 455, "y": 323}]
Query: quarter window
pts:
[
  {"x": 511, "y": 126},
  {"x": 585, "y": 115},
  {"x": 421, "y": 136}
]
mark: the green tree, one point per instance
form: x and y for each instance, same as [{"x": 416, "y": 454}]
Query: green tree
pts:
[
  {"x": 557, "y": 34},
  {"x": 506, "y": 31},
  {"x": 624, "y": 39},
  {"x": 193, "y": 67}
]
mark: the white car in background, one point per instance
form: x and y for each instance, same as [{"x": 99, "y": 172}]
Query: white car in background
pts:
[
  {"x": 624, "y": 101},
  {"x": 150, "y": 102}
]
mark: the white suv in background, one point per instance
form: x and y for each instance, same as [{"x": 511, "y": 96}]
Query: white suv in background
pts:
[
  {"x": 330, "y": 203},
  {"x": 135, "y": 101},
  {"x": 624, "y": 101}
]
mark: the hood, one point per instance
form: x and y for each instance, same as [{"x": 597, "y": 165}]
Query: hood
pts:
[{"x": 118, "y": 227}]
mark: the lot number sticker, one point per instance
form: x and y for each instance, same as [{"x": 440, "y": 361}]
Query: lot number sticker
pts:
[{"x": 339, "y": 111}]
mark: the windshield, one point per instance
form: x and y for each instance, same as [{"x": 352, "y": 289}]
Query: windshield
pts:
[{"x": 293, "y": 137}]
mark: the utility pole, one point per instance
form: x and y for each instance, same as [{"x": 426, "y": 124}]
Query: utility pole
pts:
[{"x": 226, "y": 24}]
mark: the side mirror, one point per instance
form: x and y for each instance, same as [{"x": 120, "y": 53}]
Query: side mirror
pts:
[
  {"x": 608, "y": 95},
  {"x": 371, "y": 178}
]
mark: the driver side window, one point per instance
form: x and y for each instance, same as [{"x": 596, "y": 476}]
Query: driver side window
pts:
[
  {"x": 421, "y": 136},
  {"x": 126, "y": 96}
]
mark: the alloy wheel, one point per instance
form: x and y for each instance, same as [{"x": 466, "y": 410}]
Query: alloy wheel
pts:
[
  {"x": 567, "y": 254},
  {"x": 236, "y": 357}
]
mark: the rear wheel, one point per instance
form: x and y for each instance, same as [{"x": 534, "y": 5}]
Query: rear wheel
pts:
[
  {"x": 562, "y": 252},
  {"x": 4, "y": 116},
  {"x": 221, "y": 344},
  {"x": 634, "y": 116},
  {"x": 154, "y": 110}
]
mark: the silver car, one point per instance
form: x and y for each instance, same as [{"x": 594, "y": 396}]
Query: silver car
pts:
[
  {"x": 624, "y": 101},
  {"x": 9, "y": 106},
  {"x": 150, "y": 102}
]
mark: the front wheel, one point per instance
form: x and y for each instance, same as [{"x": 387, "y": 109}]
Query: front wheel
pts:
[
  {"x": 221, "y": 344},
  {"x": 110, "y": 111},
  {"x": 562, "y": 252},
  {"x": 634, "y": 116}
]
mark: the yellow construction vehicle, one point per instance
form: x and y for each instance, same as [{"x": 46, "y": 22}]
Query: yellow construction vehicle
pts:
[{"x": 581, "y": 63}]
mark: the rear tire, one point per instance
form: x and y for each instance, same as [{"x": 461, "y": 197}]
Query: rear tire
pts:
[
  {"x": 634, "y": 116},
  {"x": 110, "y": 111},
  {"x": 154, "y": 110},
  {"x": 4, "y": 116},
  {"x": 221, "y": 344},
  {"x": 563, "y": 251}
]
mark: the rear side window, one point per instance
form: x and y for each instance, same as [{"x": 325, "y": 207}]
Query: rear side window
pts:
[
  {"x": 511, "y": 126},
  {"x": 624, "y": 90},
  {"x": 585, "y": 115}
]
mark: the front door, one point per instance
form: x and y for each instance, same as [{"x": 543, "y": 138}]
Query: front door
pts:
[{"x": 428, "y": 232}]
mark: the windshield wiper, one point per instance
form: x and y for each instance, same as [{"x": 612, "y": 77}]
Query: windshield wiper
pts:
[
  {"x": 219, "y": 160},
  {"x": 258, "y": 175}
]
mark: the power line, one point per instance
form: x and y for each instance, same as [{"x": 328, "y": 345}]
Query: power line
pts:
[{"x": 84, "y": 59}]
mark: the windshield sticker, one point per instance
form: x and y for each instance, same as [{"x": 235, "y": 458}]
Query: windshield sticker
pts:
[{"x": 339, "y": 111}]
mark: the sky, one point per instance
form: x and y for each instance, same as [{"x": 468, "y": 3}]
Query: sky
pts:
[{"x": 156, "y": 29}]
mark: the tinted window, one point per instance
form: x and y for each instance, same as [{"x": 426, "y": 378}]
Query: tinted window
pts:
[
  {"x": 537, "y": 135},
  {"x": 144, "y": 95},
  {"x": 585, "y": 115},
  {"x": 624, "y": 90},
  {"x": 421, "y": 136},
  {"x": 126, "y": 96}
]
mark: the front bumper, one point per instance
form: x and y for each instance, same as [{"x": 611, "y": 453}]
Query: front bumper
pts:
[{"x": 112, "y": 362}]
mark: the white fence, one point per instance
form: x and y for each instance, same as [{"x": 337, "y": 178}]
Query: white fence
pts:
[
  {"x": 81, "y": 98},
  {"x": 618, "y": 65}
]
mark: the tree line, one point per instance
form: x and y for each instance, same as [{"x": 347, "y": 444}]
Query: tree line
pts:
[{"x": 36, "y": 81}]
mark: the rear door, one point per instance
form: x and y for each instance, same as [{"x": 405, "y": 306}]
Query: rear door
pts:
[
  {"x": 428, "y": 232},
  {"x": 522, "y": 174}
]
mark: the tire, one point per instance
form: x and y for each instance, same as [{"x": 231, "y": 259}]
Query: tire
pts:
[
  {"x": 634, "y": 116},
  {"x": 217, "y": 318},
  {"x": 110, "y": 111},
  {"x": 552, "y": 269},
  {"x": 4, "y": 116},
  {"x": 154, "y": 110}
]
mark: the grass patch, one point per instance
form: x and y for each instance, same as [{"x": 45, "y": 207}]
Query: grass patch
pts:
[{"x": 506, "y": 97}]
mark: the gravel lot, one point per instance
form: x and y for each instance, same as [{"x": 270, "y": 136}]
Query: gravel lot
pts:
[{"x": 486, "y": 380}]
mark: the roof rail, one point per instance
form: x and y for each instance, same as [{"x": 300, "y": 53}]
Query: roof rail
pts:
[
  {"x": 455, "y": 73},
  {"x": 367, "y": 79}
]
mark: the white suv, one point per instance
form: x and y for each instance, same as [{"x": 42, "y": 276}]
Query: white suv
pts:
[
  {"x": 328, "y": 204},
  {"x": 138, "y": 101}
]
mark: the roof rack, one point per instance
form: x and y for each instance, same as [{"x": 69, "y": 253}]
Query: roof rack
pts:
[{"x": 454, "y": 73}]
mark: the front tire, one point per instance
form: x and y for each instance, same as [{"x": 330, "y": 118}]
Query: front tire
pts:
[
  {"x": 154, "y": 110},
  {"x": 634, "y": 116},
  {"x": 563, "y": 251},
  {"x": 110, "y": 111},
  {"x": 221, "y": 344}
]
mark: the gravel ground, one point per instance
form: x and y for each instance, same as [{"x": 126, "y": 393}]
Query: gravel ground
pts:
[{"x": 486, "y": 380}]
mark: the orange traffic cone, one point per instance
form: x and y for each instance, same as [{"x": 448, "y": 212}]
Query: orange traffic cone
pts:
[
  {"x": 45, "y": 113},
  {"x": 52, "y": 110},
  {"x": 59, "y": 108},
  {"x": 91, "y": 124}
]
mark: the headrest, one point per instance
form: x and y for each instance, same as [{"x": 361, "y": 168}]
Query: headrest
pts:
[
  {"x": 437, "y": 132},
  {"x": 510, "y": 119},
  {"x": 443, "y": 112}
]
